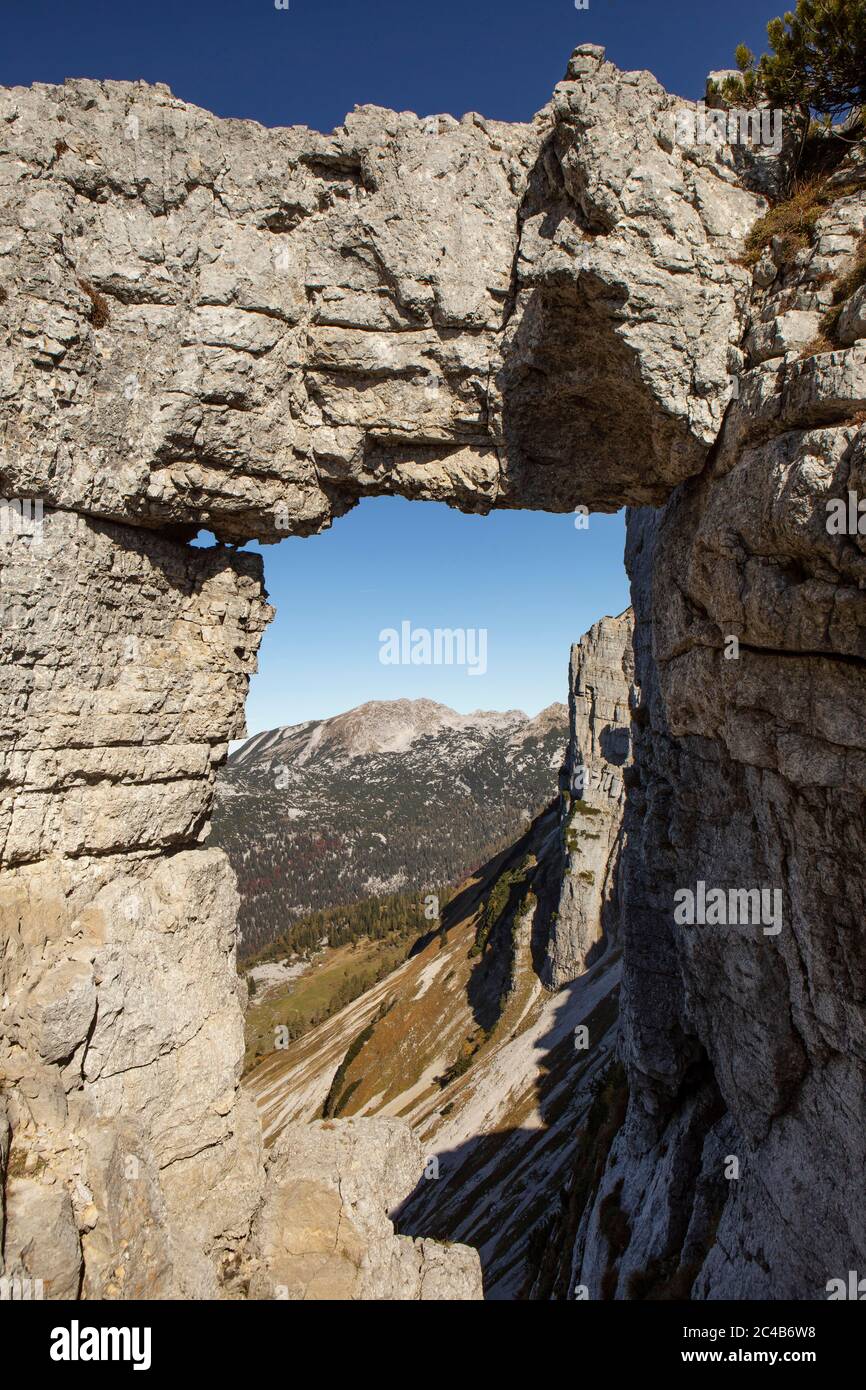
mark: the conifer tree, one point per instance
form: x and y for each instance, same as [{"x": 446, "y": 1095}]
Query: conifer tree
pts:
[{"x": 817, "y": 63}]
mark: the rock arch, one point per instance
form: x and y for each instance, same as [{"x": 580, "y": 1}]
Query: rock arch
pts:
[{"x": 210, "y": 324}]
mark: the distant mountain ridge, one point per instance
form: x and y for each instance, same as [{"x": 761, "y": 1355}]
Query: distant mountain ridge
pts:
[
  {"x": 391, "y": 796},
  {"x": 383, "y": 726}
]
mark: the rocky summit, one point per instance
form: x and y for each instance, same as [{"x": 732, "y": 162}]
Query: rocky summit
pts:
[
  {"x": 395, "y": 796},
  {"x": 204, "y": 323}
]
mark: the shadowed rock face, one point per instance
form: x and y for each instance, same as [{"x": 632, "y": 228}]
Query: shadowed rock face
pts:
[
  {"x": 742, "y": 1042},
  {"x": 206, "y": 323}
]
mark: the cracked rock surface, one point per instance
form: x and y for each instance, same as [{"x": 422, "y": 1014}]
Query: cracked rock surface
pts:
[
  {"x": 323, "y": 1232},
  {"x": 208, "y": 324},
  {"x": 211, "y": 323},
  {"x": 749, "y": 773},
  {"x": 600, "y": 684}
]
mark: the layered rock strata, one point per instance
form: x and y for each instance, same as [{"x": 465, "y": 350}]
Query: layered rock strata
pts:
[
  {"x": 738, "y": 1168},
  {"x": 203, "y": 323}
]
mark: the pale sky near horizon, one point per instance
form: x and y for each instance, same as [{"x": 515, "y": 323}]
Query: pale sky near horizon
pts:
[{"x": 530, "y": 580}]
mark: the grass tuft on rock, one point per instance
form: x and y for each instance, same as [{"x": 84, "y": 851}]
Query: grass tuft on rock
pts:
[
  {"x": 794, "y": 220},
  {"x": 99, "y": 311}
]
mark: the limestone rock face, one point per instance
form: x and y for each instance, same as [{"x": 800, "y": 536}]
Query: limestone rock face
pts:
[
  {"x": 852, "y": 320},
  {"x": 126, "y": 660},
  {"x": 210, "y": 323},
  {"x": 600, "y": 680},
  {"x": 737, "y": 1170},
  {"x": 41, "y": 1230},
  {"x": 122, "y": 1044},
  {"x": 323, "y": 1233},
  {"x": 204, "y": 323},
  {"x": 617, "y": 357}
]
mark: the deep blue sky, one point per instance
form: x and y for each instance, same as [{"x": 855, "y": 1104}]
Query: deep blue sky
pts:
[
  {"x": 312, "y": 63},
  {"x": 532, "y": 580}
]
